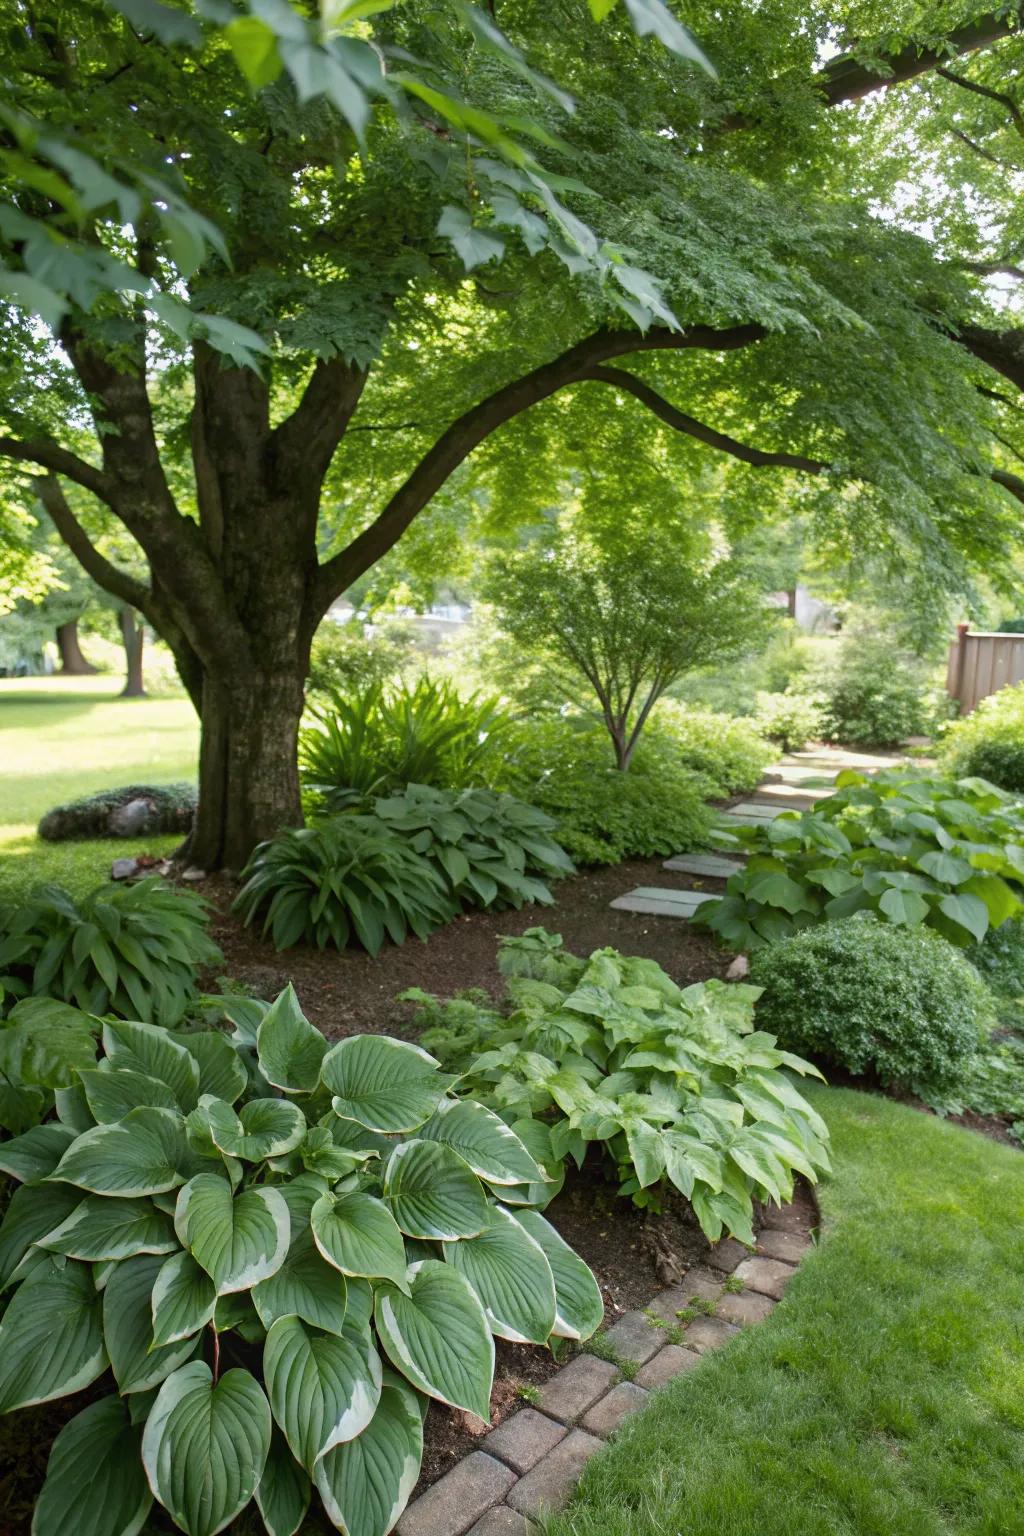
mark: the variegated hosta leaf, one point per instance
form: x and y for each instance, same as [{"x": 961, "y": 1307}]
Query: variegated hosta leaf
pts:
[
  {"x": 358, "y": 1235},
  {"x": 432, "y": 1193},
  {"x": 128, "y": 1327},
  {"x": 221, "y": 1070},
  {"x": 95, "y": 1482},
  {"x": 512, "y": 1277},
  {"x": 110, "y": 1094},
  {"x": 284, "y": 1491},
  {"x": 483, "y": 1140},
  {"x": 35, "y": 1154},
  {"x": 105, "y": 1227},
  {"x": 154, "y": 1052},
  {"x": 143, "y": 1154},
  {"x": 51, "y": 1338},
  {"x": 306, "y": 1285},
  {"x": 183, "y": 1299},
  {"x": 438, "y": 1336},
  {"x": 579, "y": 1307},
  {"x": 33, "y": 1210},
  {"x": 386, "y": 1085},
  {"x": 239, "y": 1240},
  {"x": 290, "y": 1050},
  {"x": 322, "y": 1388},
  {"x": 262, "y": 1128},
  {"x": 365, "y": 1483}
]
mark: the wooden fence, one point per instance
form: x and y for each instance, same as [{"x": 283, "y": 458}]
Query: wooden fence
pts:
[{"x": 982, "y": 664}]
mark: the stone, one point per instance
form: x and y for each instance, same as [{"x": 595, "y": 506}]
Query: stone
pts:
[
  {"x": 124, "y": 869},
  {"x": 502, "y": 1521},
  {"x": 796, "y": 796},
  {"x": 634, "y": 1338},
  {"x": 727, "y": 1254},
  {"x": 667, "y": 1364},
  {"x": 788, "y": 1246},
  {"x": 766, "y": 1275},
  {"x": 193, "y": 873},
  {"x": 549, "y": 1486},
  {"x": 524, "y": 1438},
  {"x": 711, "y": 865},
  {"x": 132, "y": 819},
  {"x": 739, "y": 968},
  {"x": 661, "y": 901},
  {"x": 577, "y": 1387},
  {"x": 799, "y": 1216},
  {"x": 702, "y": 1284},
  {"x": 607, "y": 1414},
  {"x": 456, "y": 1501},
  {"x": 744, "y": 1307},
  {"x": 706, "y": 1333},
  {"x": 749, "y": 810}
]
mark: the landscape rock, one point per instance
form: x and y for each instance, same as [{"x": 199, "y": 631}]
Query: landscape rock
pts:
[{"x": 134, "y": 810}]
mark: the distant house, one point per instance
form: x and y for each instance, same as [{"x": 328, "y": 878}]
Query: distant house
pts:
[
  {"x": 432, "y": 627},
  {"x": 806, "y": 611}
]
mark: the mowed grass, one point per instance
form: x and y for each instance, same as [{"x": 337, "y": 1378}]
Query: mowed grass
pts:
[
  {"x": 61, "y": 738},
  {"x": 885, "y": 1395}
]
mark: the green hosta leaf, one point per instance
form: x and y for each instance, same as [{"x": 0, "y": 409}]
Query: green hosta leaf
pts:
[
  {"x": 101, "y": 1227},
  {"x": 905, "y": 907},
  {"x": 31, "y": 1212},
  {"x": 512, "y": 1277},
  {"x": 945, "y": 867},
  {"x": 238, "y": 1239},
  {"x": 95, "y": 1483},
  {"x": 358, "y": 1235},
  {"x": 968, "y": 912},
  {"x": 73, "y": 1108},
  {"x": 262, "y": 1128},
  {"x": 646, "y": 1151},
  {"x": 204, "y": 1446},
  {"x": 290, "y": 1050},
  {"x": 221, "y": 1070},
  {"x": 128, "y": 1328},
  {"x": 51, "y": 1340},
  {"x": 483, "y": 1140},
  {"x": 154, "y": 1052},
  {"x": 21, "y": 1108},
  {"x": 43, "y": 1043},
  {"x": 320, "y": 1154},
  {"x": 438, "y": 1336},
  {"x": 432, "y": 1193},
  {"x": 687, "y": 1159},
  {"x": 365, "y": 1483},
  {"x": 111, "y": 1095},
  {"x": 322, "y": 1388},
  {"x": 579, "y": 1309},
  {"x": 284, "y": 1491},
  {"x": 386, "y": 1085},
  {"x": 183, "y": 1300},
  {"x": 33, "y": 1156},
  {"x": 143, "y": 1154}
]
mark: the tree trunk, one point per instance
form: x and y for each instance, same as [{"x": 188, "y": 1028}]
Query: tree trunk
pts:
[
  {"x": 72, "y": 662},
  {"x": 133, "y": 635}
]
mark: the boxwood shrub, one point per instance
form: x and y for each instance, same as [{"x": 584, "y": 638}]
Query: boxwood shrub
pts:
[{"x": 989, "y": 743}]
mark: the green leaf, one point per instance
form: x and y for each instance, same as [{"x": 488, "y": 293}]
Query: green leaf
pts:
[
  {"x": 646, "y": 1150},
  {"x": 154, "y": 1052},
  {"x": 776, "y": 889},
  {"x": 183, "y": 1300},
  {"x": 579, "y": 1308},
  {"x": 111, "y": 1095},
  {"x": 222, "y": 1072},
  {"x": 432, "y": 1193},
  {"x": 204, "y": 1446},
  {"x": 945, "y": 867},
  {"x": 438, "y": 1336},
  {"x": 358, "y": 1235},
  {"x": 254, "y": 46},
  {"x": 143, "y": 1154},
  {"x": 968, "y": 912},
  {"x": 365, "y": 1483},
  {"x": 32, "y": 1211},
  {"x": 386, "y": 1085},
  {"x": 101, "y": 1228},
  {"x": 511, "y": 1276},
  {"x": 43, "y": 1043},
  {"x": 599, "y": 9},
  {"x": 483, "y": 1140},
  {"x": 128, "y": 1328},
  {"x": 262, "y": 1128},
  {"x": 51, "y": 1339},
  {"x": 322, "y": 1388},
  {"x": 284, "y": 1491},
  {"x": 654, "y": 17},
  {"x": 998, "y": 897},
  {"x": 238, "y": 1239},
  {"x": 905, "y": 907},
  {"x": 306, "y": 1285},
  {"x": 95, "y": 1483},
  {"x": 473, "y": 244},
  {"x": 291, "y": 1051},
  {"x": 33, "y": 1156}
]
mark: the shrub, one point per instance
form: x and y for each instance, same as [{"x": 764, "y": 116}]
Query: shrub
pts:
[
  {"x": 279, "y": 1285},
  {"x": 675, "y": 1085},
  {"x": 602, "y": 815},
  {"x": 949, "y": 853},
  {"x": 872, "y": 695},
  {"x": 390, "y": 736},
  {"x": 901, "y": 1003},
  {"x": 791, "y": 720},
  {"x": 727, "y": 753},
  {"x": 989, "y": 742},
  {"x": 136, "y": 810},
  {"x": 132, "y": 950},
  {"x": 349, "y": 657}
]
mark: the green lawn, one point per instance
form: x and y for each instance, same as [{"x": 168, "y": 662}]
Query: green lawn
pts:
[
  {"x": 885, "y": 1395},
  {"x": 61, "y": 738}
]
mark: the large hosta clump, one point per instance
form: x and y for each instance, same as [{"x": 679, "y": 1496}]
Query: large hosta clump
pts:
[{"x": 280, "y": 1251}]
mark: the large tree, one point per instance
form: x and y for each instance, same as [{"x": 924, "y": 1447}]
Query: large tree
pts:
[{"x": 260, "y": 484}]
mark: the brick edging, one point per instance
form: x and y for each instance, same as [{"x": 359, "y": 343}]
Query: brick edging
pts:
[{"x": 530, "y": 1464}]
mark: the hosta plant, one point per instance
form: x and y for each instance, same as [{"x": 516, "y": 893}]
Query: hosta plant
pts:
[
  {"x": 675, "y": 1085},
  {"x": 132, "y": 950},
  {"x": 492, "y": 849},
  {"x": 279, "y": 1269},
  {"x": 945, "y": 852}
]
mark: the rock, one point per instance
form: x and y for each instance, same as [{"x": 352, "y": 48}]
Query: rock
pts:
[
  {"x": 739, "y": 968},
  {"x": 193, "y": 873},
  {"x": 133, "y": 819},
  {"x": 124, "y": 869}
]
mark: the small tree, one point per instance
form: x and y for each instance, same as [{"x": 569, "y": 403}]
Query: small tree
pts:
[{"x": 628, "y": 608}]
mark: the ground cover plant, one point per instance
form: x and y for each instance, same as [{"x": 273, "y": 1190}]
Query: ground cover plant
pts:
[
  {"x": 989, "y": 741},
  {"x": 169, "y": 808},
  {"x": 282, "y": 1251},
  {"x": 727, "y": 752},
  {"x": 945, "y": 852},
  {"x": 675, "y": 1085}
]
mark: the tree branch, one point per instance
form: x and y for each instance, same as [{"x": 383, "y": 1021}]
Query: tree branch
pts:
[
  {"x": 847, "y": 79},
  {"x": 59, "y": 461},
  {"x": 106, "y": 575},
  {"x": 305, "y": 442},
  {"x": 1003, "y": 351},
  {"x": 1000, "y": 97},
  {"x": 1012, "y": 483}
]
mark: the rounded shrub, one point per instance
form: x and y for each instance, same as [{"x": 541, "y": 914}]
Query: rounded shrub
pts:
[
  {"x": 901, "y": 1003},
  {"x": 730, "y": 753},
  {"x": 791, "y": 720},
  {"x": 133, "y": 810},
  {"x": 989, "y": 742}
]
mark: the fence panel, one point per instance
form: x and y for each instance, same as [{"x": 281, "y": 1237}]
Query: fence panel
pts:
[{"x": 980, "y": 664}]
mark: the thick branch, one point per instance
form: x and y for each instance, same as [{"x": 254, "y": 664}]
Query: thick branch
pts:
[
  {"x": 847, "y": 79},
  {"x": 305, "y": 441},
  {"x": 987, "y": 91},
  {"x": 106, "y": 575},
  {"x": 1012, "y": 483},
  {"x": 1002, "y": 351},
  {"x": 59, "y": 461}
]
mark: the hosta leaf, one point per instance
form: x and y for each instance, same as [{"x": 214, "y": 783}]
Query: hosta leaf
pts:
[
  {"x": 432, "y": 1193},
  {"x": 262, "y": 1128},
  {"x": 111, "y": 1095},
  {"x": 95, "y": 1483},
  {"x": 21, "y": 1108},
  {"x": 305, "y": 1286},
  {"x": 43, "y": 1043},
  {"x": 204, "y": 1446},
  {"x": 183, "y": 1299},
  {"x": 51, "y": 1339},
  {"x": 322, "y": 1388},
  {"x": 221, "y": 1070},
  {"x": 128, "y": 1328},
  {"x": 579, "y": 1309},
  {"x": 154, "y": 1052},
  {"x": 104, "y": 1228},
  {"x": 238, "y": 1239},
  {"x": 483, "y": 1140},
  {"x": 31, "y": 1212},
  {"x": 386, "y": 1085},
  {"x": 512, "y": 1277},
  {"x": 34, "y": 1155},
  {"x": 438, "y": 1336},
  {"x": 143, "y": 1154},
  {"x": 365, "y": 1483},
  {"x": 284, "y": 1491},
  {"x": 290, "y": 1049},
  {"x": 359, "y": 1236}
]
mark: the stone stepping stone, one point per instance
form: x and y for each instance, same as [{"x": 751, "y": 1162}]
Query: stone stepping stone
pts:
[
  {"x": 750, "y": 812},
  {"x": 707, "y": 864},
  {"x": 659, "y": 901},
  {"x": 800, "y": 794}
]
